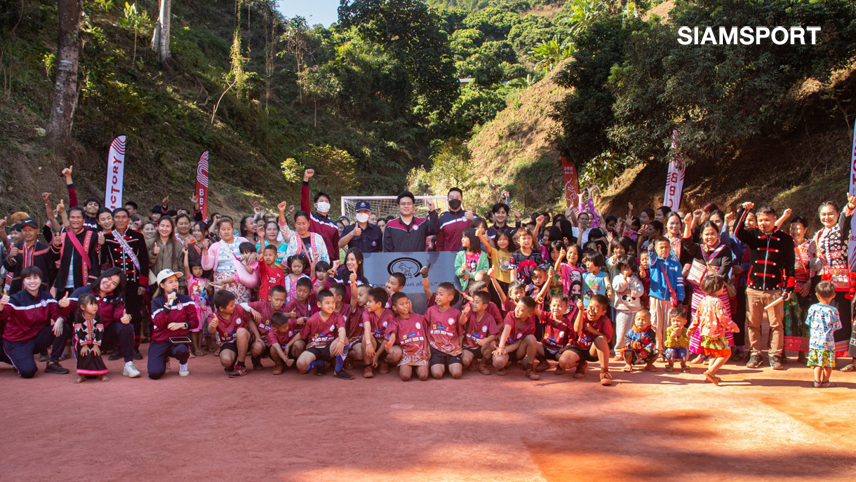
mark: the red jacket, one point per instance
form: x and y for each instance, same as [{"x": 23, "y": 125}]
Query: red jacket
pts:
[
  {"x": 183, "y": 311},
  {"x": 452, "y": 226},
  {"x": 25, "y": 315},
  {"x": 321, "y": 224}
]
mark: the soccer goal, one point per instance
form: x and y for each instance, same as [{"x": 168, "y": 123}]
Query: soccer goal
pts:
[{"x": 383, "y": 206}]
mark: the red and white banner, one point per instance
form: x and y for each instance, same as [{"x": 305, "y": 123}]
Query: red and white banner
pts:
[
  {"x": 572, "y": 184},
  {"x": 115, "y": 174},
  {"x": 202, "y": 184},
  {"x": 852, "y": 241},
  {"x": 677, "y": 172}
]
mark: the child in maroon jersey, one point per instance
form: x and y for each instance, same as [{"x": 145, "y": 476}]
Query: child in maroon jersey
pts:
[
  {"x": 376, "y": 320},
  {"x": 358, "y": 336},
  {"x": 236, "y": 330},
  {"x": 480, "y": 332},
  {"x": 517, "y": 341},
  {"x": 516, "y": 291},
  {"x": 281, "y": 341},
  {"x": 444, "y": 333},
  {"x": 411, "y": 332},
  {"x": 326, "y": 339},
  {"x": 262, "y": 311},
  {"x": 558, "y": 331},
  {"x": 300, "y": 305},
  {"x": 594, "y": 331},
  {"x": 492, "y": 309},
  {"x": 396, "y": 283}
]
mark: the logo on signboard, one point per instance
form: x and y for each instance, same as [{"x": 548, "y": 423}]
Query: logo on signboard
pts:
[{"x": 409, "y": 267}]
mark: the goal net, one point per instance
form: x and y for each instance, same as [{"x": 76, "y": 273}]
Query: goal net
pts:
[{"x": 384, "y": 206}]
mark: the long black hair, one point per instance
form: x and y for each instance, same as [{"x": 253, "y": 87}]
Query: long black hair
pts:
[{"x": 118, "y": 293}]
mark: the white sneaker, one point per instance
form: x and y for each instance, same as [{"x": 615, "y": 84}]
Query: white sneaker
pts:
[
  {"x": 183, "y": 371},
  {"x": 130, "y": 370}
]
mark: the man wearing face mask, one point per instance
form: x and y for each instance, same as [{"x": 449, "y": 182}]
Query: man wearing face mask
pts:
[
  {"x": 28, "y": 252},
  {"x": 453, "y": 223},
  {"x": 368, "y": 237},
  {"x": 319, "y": 221}
]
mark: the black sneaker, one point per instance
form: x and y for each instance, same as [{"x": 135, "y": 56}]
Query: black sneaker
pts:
[
  {"x": 320, "y": 370},
  {"x": 776, "y": 363},
  {"x": 257, "y": 364},
  {"x": 56, "y": 368},
  {"x": 137, "y": 354},
  {"x": 344, "y": 375},
  {"x": 755, "y": 361},
  {"x": 115, "y": 355}
]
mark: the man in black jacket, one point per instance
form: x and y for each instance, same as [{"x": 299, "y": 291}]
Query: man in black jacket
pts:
[
  {"x": 407, "y": 233},
  {"x": 770, "y": 276},
  {"x": 125, "y": 248},
  {"x": 77, "y": 253}
]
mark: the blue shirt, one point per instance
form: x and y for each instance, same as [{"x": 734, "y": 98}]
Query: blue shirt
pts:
[
  {"x": 370, "y": 241},
  {"x": 665, "y": 272}
]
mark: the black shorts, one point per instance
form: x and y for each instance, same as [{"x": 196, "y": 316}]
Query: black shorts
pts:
[
  {"x": 322, "y": 354},
  {"x": 477, "y": 353},
  {"x": 551, "y": 354},
  {"x": 440, "y": 358},
  {"x": 233, "y": 345},
  {"x": 585, "y": 355}
]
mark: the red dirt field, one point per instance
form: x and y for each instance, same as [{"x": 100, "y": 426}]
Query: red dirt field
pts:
[{"x": 758, "y": 425}]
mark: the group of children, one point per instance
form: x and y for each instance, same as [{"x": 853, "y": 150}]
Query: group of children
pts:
[{"x": 569, "y": 294}]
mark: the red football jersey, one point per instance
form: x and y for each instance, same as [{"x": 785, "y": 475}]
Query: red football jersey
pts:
[
  {"x": 478, "y": 329},
  {"x": 444, "y": 329}
]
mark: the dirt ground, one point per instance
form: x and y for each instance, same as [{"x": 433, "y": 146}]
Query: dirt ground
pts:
[{"x": 758, "y": 425}]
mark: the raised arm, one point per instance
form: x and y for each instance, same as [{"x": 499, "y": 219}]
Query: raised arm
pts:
[
  {"x": 784, "y": 218},
  {"x": 304, "y": 190},
  {"x": 486, "y": 242},
  {"x": 72, "y": 192}
]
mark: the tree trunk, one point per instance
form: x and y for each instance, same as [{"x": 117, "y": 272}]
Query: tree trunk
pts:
[
  {"x": 160, "y": 39},
  {"x": 58, "y": 133}
]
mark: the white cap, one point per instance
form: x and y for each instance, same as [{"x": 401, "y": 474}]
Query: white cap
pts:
[{"x": 163, "y": 275}]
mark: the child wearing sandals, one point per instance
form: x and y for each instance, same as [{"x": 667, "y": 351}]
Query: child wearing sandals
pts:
[
  {"x": 824, "y": 320},
  {"x": 641, "y": 343},
  {"x": 677, "y": 340},
  {"x": 713, "y": 322}
]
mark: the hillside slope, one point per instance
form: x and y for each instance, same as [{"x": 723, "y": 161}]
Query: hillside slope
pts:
[
  {"x": 164, "y": 112},
  {"x": 517, "y": 150}
]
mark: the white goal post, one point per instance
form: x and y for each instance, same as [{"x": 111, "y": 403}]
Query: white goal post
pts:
[{"x": 383, "y": 206}]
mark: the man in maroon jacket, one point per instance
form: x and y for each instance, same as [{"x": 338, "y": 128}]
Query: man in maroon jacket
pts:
[
  {"x": 320, "y": 222},
  {"x": 453, "y": 223}
]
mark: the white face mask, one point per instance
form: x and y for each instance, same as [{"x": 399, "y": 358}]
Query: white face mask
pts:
[
  {"x": 362, "y": 217},
  {"x": 323, "y": 207},
  {"x": 32, "y": 284}
]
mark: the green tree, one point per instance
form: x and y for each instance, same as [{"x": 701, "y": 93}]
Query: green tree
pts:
[
  {"x": 136, "y": 21},
  {"x": 586, "y": 112},
  {"x": 721, "y": 97},
  {"x": 550, "y": 53},
  {"x": 410, "y": 31}
]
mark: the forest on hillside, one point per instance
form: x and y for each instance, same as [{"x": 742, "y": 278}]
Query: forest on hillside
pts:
[
  {"x": 393, "y": 94},
  {"x": 364, "y": 101}
]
